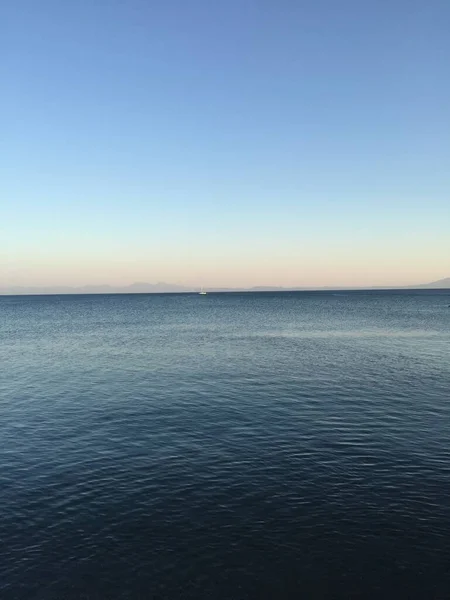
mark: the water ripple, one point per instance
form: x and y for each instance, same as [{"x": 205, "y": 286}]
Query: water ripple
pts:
[{"x": 254, "y": 446}]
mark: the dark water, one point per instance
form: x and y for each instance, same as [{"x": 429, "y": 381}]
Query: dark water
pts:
[{"x": 226, "y": 446}]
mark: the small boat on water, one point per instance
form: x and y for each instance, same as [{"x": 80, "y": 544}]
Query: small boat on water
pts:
[{"x": 202, "y": 292}]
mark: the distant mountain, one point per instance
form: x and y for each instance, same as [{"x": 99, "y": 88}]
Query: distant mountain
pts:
[
  {"x": 262, "y": 288},
  {"x": 134, "y": 288},
  {"x": 441, "y": 283},
  {"x": 167, "y": 288}
]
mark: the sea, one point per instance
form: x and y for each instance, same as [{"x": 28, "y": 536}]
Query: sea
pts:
[{"x": 226, "y": 446}]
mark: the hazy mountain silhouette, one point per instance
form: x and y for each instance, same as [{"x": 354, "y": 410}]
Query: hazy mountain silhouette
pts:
[
  {"x": 441, "y": 283},
  {"x": 134, "y": 288},
  {"x": 164, "y": 288}
]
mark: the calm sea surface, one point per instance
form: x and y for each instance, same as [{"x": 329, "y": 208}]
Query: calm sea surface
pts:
[{"x": 228, "y": 446}]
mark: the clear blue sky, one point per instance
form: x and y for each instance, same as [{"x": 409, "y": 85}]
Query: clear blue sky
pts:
[{"x": 241, "y": 142}]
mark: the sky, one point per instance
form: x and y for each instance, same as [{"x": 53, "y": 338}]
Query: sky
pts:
[{"x": 234, "y": 143}]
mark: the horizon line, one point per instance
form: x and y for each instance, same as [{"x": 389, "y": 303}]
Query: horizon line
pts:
[{"x": 89, "y": 289}]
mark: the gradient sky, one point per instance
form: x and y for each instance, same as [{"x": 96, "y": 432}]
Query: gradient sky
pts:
[{"x": 242, "y": 142}]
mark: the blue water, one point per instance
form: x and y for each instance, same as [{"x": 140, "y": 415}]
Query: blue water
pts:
[{"x": 228, "y": 446}]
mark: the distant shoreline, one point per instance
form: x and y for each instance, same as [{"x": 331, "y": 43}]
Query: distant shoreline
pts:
[{"x": 226, "y": 291}]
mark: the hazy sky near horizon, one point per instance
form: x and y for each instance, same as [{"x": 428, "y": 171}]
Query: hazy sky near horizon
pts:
[{"x": 243, "y": 142}]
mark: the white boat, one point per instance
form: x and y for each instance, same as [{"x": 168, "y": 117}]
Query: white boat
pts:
[{"x": 202, "y": 292}]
